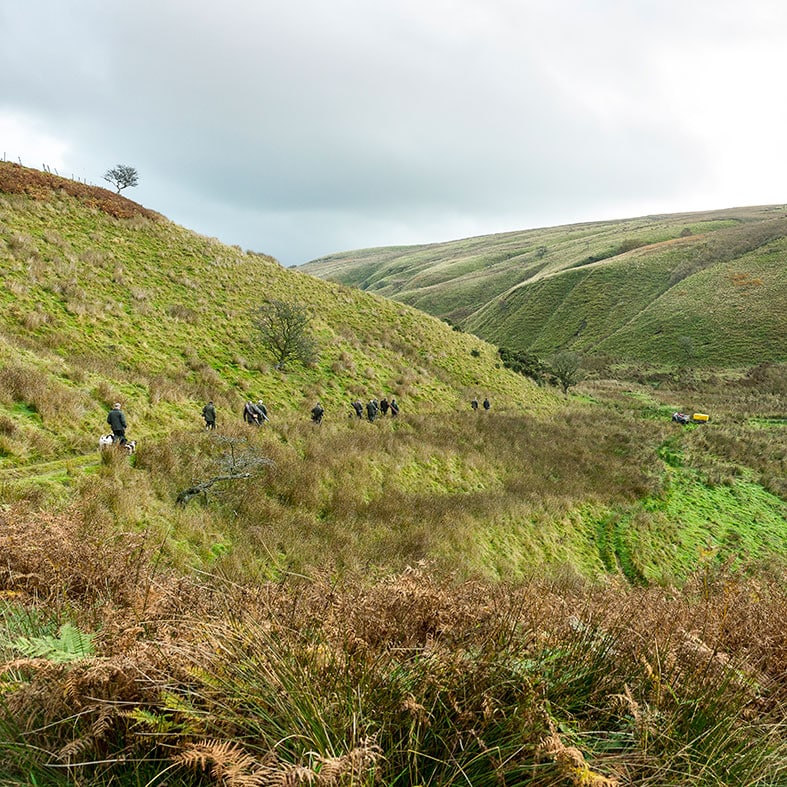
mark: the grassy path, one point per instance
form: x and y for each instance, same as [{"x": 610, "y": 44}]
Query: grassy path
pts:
[{"x": 52, "y": 467}]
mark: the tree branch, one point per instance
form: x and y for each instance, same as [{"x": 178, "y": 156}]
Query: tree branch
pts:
[{"x": 192, "y": 491}]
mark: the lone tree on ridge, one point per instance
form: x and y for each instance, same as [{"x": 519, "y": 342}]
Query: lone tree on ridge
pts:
[
  {"x": 121, "y": 176},
  {"x": 284, "y": 329}
]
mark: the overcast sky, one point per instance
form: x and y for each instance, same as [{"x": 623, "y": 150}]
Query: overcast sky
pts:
[{"x": 298, "y": 128}]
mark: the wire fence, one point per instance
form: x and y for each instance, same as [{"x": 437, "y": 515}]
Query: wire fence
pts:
[{"x": 53, "y": 171}]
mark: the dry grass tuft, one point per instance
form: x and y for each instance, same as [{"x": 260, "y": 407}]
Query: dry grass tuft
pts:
[
  {"x": 415, "y": 678},
  {"x": 52, "y": 556},
  {"x": 570, "y": 762}
]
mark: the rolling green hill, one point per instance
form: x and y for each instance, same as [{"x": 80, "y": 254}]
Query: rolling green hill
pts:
[
  {"x": 711, "y": 286},
  {"x": 104, "y": 300},
  {"x": 566, "y": 589}
]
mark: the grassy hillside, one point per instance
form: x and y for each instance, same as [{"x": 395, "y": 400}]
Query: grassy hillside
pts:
[
  {"x": 650, "y": 289},
  {"x": 562, "y": 590},
  {"x": 108, "y": 301},
  {"x": 96, "y": 308}
]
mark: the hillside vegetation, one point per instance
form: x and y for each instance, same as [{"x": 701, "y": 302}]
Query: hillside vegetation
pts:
[
  {"x": 710, "y": 287},
  {"x": 564, "y": 590},
  {"x": 97, "y": 307}
]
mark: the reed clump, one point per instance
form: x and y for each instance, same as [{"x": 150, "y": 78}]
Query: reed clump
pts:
[{"x": 411, "y": 678}]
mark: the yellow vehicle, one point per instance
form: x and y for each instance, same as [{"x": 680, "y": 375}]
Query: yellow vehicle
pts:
[{"x": 700, "y": 418}]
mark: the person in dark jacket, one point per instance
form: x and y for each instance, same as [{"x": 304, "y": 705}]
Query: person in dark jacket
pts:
[
  {"x": 371, "y": 410},
  {"x": 317, "y": 413},
  {"x": 262, "y": 411},
  {"x": 474, "y": 403},
  {"x": 358, "y": 407},
  {"x": 394, "y": 408},
  {"x": 383, "y": 406},
  {"x": 250, "y": 414},
  {"x": 209, "y": 414},
  {"x": 487, "y": 404},
  {"x": 117, "y": 423}
]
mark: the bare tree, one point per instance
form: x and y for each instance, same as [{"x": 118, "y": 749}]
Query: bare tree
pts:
[
  {"x": 284, "y": 330},
  {"x": 121, "y": 176},
  {"x": 239, "y": 461}
]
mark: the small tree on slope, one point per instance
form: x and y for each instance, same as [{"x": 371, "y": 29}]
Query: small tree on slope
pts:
[
  {"x": 121, "y": 176},
  {"x": 284, "y": 330}
]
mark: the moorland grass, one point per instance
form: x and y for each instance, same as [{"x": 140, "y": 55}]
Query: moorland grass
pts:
[
  {"x": 636, "y": 288},
  {"x": 97, "y": 308},
  {"x": 408, "y": 679},
  {"x": 564, "y": 590}
]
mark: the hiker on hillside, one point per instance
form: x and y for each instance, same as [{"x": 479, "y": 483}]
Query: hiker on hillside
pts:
[
  {"x": 117, "y": 423},
  {"x": 487, "y": 404},
  {"x": 317, "y": 413},
  {"x": 358, "y": 407},
  {"x": 209, "y": 414},
  {"x": 394, "y": 408},
  {"x": 474, "y": 403},
  {"x": 250, "y": 414},
  {"x": 383, "y": 406},
  {"x": 262, "y": 411},
  {"x": 371, "y": 410}
]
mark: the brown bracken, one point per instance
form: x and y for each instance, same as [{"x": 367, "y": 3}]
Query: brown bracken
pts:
[{"x": 16, "y": 179}]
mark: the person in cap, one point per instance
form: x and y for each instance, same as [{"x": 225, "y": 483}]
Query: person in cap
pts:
[{"x": 117, "y": 423}]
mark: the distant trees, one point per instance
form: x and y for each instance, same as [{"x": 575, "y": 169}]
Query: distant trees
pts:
[
  {"x": 524, "y": 363},
  {"x": 284, "y": 330},
  {"x": 565, "y": 369},
  {"x": 122, "y": 176}
]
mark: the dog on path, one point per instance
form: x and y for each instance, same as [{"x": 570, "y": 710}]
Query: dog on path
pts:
[{"x": 107, "y": 440}]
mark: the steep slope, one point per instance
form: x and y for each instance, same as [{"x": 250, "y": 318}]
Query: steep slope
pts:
[
  {"x": 644, "y": 289},
  {"x": 104, "y": 300}
]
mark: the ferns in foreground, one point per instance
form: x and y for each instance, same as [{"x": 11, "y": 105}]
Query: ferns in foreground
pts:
[{"x": 412, "y": 679}]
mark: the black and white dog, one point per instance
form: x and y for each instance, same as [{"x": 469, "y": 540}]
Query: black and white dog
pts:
[{"x": 107, "y": 440}]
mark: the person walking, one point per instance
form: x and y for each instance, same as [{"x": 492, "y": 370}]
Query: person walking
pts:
[
  {"x": 117, "y": 423},
  {"x": 209, "y": 414},
  {"x": 384, "y": 406},
  {"x": 250, "y": 414},
  {"x": 487, "y": 404},
  {"x": 317, "y": 413},
  {"x": 262, "y": 411},
  {"x": 474, "y": 403},
  {"x": 358, "y": 407},
  {"x": 394, "y": 407},
  {"x": 371, "y": 410}
]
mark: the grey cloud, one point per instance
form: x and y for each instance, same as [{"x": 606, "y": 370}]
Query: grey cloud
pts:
[{"x": 292, "y": 127}]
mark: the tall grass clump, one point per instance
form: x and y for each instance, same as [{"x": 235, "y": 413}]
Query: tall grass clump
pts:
[{"x": 414, "y": 679}]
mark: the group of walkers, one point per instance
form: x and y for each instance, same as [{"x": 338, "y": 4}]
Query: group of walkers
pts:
[
  {"x": 256, "y": 413},
  {"x": 374, "y": 408}
]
